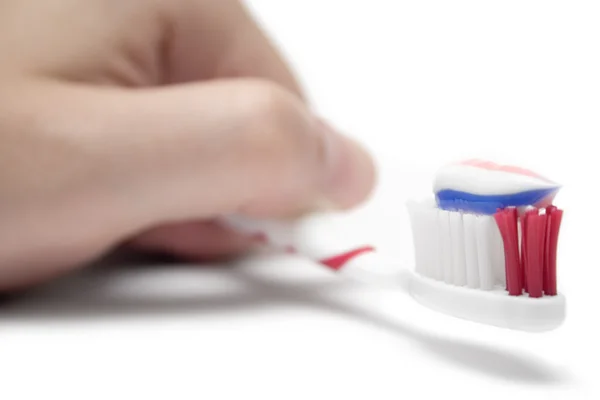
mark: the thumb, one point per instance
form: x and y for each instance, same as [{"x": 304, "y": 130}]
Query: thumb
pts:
[{"x": 202, "y": 150}]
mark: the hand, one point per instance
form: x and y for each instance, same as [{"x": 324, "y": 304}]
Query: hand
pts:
[{"x": 139, "y": 122}]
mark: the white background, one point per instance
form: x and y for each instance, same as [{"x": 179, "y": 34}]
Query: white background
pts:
[{"x": 420, "y": 82}]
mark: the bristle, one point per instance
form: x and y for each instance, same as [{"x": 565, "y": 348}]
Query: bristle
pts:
[
  {"x": 546, "y": 268},
  {"x": 484, "y": 252},
  {"x": 554, "y": 218},
  {"x": 497, "y": 252},
  {"x": 421, "y": 233},
  {"x": 507, "y": 223},
  {"x": 524, "y": 252},
  {"x": 536, "y": 233},
  {"x": 445, "y": 246},
  {"x": 432, "y": 246},
  {"x": 500, "y": 218},
  {"x": 437, "y": 238},
  {"x": 471, "y": 254},
  {"x": 414, "y": 225},
  {"x": 457, "y": 243},
  {"x": 515, "y": 275}
]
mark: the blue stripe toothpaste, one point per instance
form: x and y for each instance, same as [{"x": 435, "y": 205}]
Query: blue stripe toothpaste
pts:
[{"x": 484, "y": 187}]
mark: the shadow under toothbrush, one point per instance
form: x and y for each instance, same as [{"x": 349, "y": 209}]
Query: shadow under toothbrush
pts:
[
  {"x": 87, "y": 295},
  {"x": 477, "y": 358}
]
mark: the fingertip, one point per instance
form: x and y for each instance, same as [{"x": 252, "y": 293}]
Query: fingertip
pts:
[{"x": 351, "y": 172}]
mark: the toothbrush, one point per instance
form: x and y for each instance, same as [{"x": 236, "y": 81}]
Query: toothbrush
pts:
[
  {"x": 325, "y": 239},
  {"x": 486, "y": 247},
  {"x": 466, "y": 243}
]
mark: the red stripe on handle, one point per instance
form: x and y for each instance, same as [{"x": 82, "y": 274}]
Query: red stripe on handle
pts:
[{"x": 337, "y": 262}]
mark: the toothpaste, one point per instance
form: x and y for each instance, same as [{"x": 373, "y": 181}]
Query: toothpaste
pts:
[{"x": 484, "y": 187}]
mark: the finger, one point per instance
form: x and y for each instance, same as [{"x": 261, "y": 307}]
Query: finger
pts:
[
  {"x": 220, "y": 38},
  {"x": 196, "y": 151},
  {"x": 193, "y": 240}
]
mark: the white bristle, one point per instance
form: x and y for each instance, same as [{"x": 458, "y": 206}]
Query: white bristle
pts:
[
  {"x": 445, "y": 238},
  {"x": 433, "y": 252},
  {"x": 497, "y": 253},
  {"x": 419, "y": 226},
  {"x": 425, "y": 232},
  {"x": 460, "y": 249},
  {"x": 485, "y": 253},
  {"x": 471, "y": 260},
  {"x": 457, "y": 243}
]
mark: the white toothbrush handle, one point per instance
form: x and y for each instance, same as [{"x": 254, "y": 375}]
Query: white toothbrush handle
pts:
[{"x": 325, "y": 239}]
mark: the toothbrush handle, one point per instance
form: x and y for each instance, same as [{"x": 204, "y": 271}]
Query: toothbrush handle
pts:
[{"x": 323, "y": 238}]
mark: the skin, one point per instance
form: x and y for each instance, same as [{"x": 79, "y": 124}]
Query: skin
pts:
[{"x": 138, "y": 123}]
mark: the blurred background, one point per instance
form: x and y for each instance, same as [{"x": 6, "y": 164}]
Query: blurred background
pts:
[{"x": 420, "y": 84}]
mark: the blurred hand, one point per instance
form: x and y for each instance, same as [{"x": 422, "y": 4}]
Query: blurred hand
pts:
[{"x": 139, "y": 122}]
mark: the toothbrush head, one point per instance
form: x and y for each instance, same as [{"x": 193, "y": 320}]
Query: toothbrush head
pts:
[{"x": 489, "y": 254}]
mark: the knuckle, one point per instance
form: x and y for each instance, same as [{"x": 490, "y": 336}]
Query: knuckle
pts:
[{"x": 281, "y": 131}]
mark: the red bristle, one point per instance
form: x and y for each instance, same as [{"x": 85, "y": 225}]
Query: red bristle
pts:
[
  {"x": 524, "y": 247},
  {"x": 507, "y": 258},
  {"x": 536, "y": 233},
  {"x": 546, "y": 286},
  {"x": 507, "y": 224},
  {"x": 542, "y": 245},
  {"x": 515, "y": 266},
  {"x": 552, "y": 231}
]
